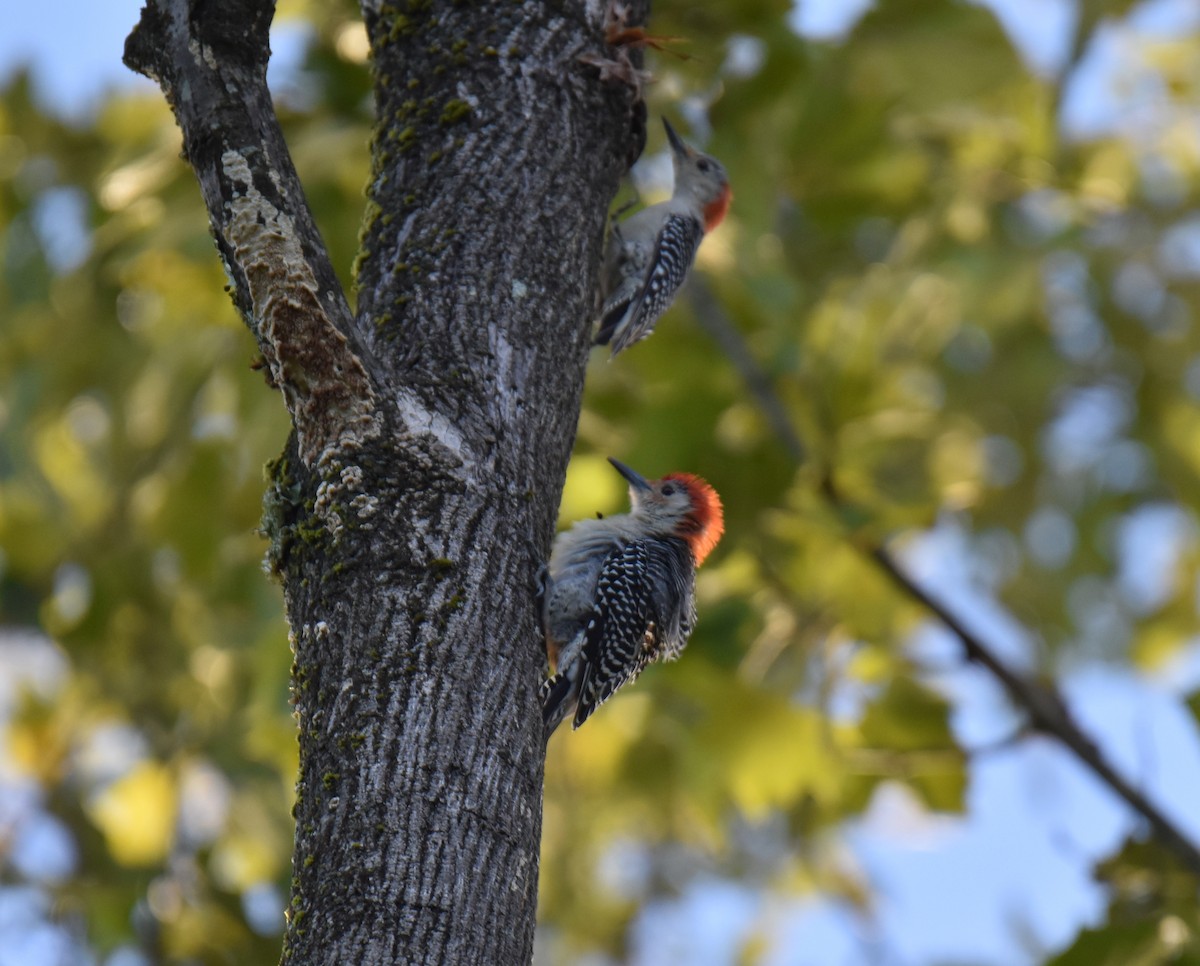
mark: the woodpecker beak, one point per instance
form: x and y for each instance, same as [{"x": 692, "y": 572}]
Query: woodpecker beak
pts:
[
  {"x": 677, "y": 144},
  {"x": 636, "y": 480}
]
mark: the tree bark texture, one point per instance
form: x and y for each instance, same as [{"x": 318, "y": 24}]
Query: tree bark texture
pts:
[{"x": 432, "y": 431}]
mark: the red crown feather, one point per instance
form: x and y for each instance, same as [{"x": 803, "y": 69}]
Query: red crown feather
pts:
[{"x": 705, "y": 522}]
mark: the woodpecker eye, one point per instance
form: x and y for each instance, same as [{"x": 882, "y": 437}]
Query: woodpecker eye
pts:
[
  {"x": 703, "y": 166},
  {"x": 668, "y": 490}
]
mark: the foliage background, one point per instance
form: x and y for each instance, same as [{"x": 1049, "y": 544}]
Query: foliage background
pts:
[{"x": 967, "y": 266}]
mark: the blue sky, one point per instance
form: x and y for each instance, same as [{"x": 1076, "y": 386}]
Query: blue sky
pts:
[
  {"x": 76, "y": 55},
  {"x": 1036, "y": 822}
]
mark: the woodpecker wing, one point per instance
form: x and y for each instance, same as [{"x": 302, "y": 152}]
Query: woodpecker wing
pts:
[
  {"x": 675, "y": 601},
  {"x": 644, "y": 611},
  {"x": 672, "y": 257}
]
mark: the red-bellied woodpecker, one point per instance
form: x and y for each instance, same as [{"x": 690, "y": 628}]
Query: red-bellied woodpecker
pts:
[
  {"x": 619, "y": 593},
  {"x": 649, "y": 254}
]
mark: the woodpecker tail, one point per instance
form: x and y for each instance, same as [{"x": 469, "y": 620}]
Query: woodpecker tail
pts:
[
  {"x": 560, "y": 695},
  {"x": 614, "y": 314},
  {"x": 631, "y": 328}
]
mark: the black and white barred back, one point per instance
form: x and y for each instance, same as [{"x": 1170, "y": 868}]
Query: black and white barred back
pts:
[
  {"x": 674, "y": 251},
  {"x": 645, "y": 610}
]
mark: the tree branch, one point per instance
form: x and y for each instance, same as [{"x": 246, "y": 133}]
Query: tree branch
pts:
[
  {"x": 1047, "y": 712},
  {"x": 1044, "y": 705},
  {"x": 210, "y": 58},
  {"x": 407, "y": 564}
]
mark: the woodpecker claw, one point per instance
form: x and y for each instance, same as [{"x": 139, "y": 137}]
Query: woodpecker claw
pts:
[{"x": 615, "y": 226}]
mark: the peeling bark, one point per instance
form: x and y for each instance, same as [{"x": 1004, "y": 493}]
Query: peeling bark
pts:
[
  {"x": 433, "y": 428},
  {"x": 324, "y": 384}
]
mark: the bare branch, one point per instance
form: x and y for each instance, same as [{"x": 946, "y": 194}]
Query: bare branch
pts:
[
  {"x": 1047, "y": 712},
  {"x": 1044, "y": 705},
  {"x": 210, "y": 58}
]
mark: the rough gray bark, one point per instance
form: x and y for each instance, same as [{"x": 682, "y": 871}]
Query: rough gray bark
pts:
[{"x": 432, "y": 432}]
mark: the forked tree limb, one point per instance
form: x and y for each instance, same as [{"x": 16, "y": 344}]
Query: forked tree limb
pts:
[{"x": 211, "y": 61}]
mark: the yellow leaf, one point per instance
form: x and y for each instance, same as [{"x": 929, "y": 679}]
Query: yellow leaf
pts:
[
  {"x": 136, "y": 814},
  {"x": 240, "y": 861}
]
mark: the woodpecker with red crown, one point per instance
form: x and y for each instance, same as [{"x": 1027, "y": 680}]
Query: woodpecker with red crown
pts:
[
  {"x": 650, "y": 253},
  {"x": 619, "y": 592}
]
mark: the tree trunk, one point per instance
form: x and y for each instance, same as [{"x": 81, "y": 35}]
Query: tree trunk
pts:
[{"x": 432, "y": 431}]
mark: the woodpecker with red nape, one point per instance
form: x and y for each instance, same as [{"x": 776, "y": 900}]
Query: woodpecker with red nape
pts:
[
  {"x": 619, "y": 593},
  {"x": 650, "y": 253}
]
